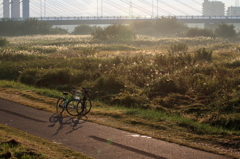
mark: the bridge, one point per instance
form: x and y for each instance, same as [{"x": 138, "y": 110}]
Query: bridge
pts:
[
  {"x": 127, "y": 20},
  {"x": 93, "y": 12}
]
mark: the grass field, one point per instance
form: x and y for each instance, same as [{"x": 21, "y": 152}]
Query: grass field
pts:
[{"x": 183, "y": 90}]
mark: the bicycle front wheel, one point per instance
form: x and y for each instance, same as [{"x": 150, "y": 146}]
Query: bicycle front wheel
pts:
[
  {"x": 86, "y": 106},
  {"x": 73, "y": 107},
  {"x": 60, "y": 105}
]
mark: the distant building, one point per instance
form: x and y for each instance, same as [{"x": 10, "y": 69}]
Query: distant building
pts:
[
  {"x": 213, "y": 8},
  {"x": 233, "y": 11},
  {"x": 6, "y": 9},
  {"x": 25, "y": 9},
  {"x": 15, "y": 9}
]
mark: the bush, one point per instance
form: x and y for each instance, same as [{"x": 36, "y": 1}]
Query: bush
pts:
[
  {"x": 9, "y": 70},
  {"x": 58, "y": 30},
  {"x": 54, "y": 77},
  {"x": 59, "y": 78},
  {"x": 163, "y": 86},
  {"x": 3, "y": 42},
  {"x": 169, "y": 26},
  {"x": 144, "y": 27},
  {"x": 203, "y": 54},
  {"x": 83, "y": 30},
  {"x": 193, "y": 32},
  {"x": 114, "y": 32},
  {"x": 32, "y": 26},
  {"x": 178, "y": 48},
  {"x": 28, "y": 76},
  {"x": 88, "y": 51},
  {"x": 225, "y": 30},
  {"x": 129, "y": 99},
  {"x": 107, "y": 86}
]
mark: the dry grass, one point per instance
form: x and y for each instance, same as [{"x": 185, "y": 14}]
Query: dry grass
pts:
[
  {"x": 136, "y": 67},
  {"x": 34, "y": 147},
  {"x": 119, "y": 118}
]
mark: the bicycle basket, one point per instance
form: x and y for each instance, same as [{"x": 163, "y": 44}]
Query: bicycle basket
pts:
[{"x": 77, "y": 94}]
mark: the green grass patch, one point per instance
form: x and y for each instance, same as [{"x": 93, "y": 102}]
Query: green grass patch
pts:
[
  {"x": 18, "y": 144},
  {"x": 20, "y": 86}
]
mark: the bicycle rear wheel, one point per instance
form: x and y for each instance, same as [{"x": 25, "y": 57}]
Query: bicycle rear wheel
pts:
[
  {"x": 60, "y": 105},
  {"x": 86, "y": 106},
  {"x": 73, "y": 107}
]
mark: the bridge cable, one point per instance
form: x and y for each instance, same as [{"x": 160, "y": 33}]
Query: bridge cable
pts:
[
  {"x": 173, "y": 7},
  {"x": 207, "y": 7},
  {"x": 33, "y": 10},
  {"x": 81, "y": 7},
  {"x": 63, "y": 8},
  {"x": 116, "y": 6},
  {"x": 189, "y": 6},
  {"x": 149, "y": 4},
  {"x": 139, "y": 8},
  {"x": 35, "y": 7},
  {"x": 124, "y": 10}
]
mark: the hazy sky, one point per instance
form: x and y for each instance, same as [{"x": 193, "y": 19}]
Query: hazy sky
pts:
[{"x": 53, "y": 8}]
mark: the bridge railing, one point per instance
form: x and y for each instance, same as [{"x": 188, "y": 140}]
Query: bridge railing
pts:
[
  {"x": 125, "y": 17},
  {"x": 135, "y": 17}
]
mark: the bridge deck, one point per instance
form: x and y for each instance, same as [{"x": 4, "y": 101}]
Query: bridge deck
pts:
[{"x": 127, "y": 20}]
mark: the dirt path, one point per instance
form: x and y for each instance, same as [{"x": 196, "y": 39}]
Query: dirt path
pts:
[{"x": 98, "y": 141}]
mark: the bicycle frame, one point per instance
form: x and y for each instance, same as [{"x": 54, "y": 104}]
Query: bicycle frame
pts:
[
  {"x": 66, "y": 99},
  {"x": 85, "y": 102},
  {"x": 69, "y": 103},
  {"x": 73, "y": 104}
]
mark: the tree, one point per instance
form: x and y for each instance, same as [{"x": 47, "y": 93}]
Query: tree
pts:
[
  {"x": 169, "y": 26},
  {"x": 10, "y": 27},
  {"x": 225, "y": 30},
  {"x": 144, "y": 27},
  {"x": 141, "y": 25},
  {"x": 33, "y": 26},
  {"x": 83, "y": 30},
  {"x": 114, "y": 32},
  {"x": 58, "y": 30}
]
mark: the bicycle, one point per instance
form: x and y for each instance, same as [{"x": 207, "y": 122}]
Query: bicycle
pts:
[
  {"x": 85, "y": 102},
  {"x": 71, "y": 105}
]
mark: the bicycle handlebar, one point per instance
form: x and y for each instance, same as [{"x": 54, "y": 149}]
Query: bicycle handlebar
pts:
[{"x": 86, "y": 90}]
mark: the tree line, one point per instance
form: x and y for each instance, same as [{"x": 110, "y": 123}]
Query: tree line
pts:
[
  {"x": 162, "y": 27},
  {"x": 10, "y": 27}
]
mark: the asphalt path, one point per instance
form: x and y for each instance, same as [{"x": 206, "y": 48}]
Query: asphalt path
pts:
[{"x": 97, "y": 141}]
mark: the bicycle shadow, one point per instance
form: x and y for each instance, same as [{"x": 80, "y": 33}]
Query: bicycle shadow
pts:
[{"x": 73, "y": 122}]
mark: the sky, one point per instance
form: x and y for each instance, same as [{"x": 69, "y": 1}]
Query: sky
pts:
[{"x": 71, "y": 8}]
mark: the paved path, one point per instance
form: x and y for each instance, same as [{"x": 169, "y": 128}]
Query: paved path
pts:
[{"x": 97, "y": 141}]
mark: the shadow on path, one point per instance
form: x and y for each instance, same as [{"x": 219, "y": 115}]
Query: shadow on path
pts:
[
  {"x": 23, "y": 116},
  {"x": 73, "y": 122},
  {"x": 127, "y": 147}
]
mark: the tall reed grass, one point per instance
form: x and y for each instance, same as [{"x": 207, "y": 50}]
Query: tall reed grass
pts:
[{"x": 193, "y": 79}]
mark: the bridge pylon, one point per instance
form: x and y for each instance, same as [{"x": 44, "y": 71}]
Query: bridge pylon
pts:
[{"x": 130, "y": 8}]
